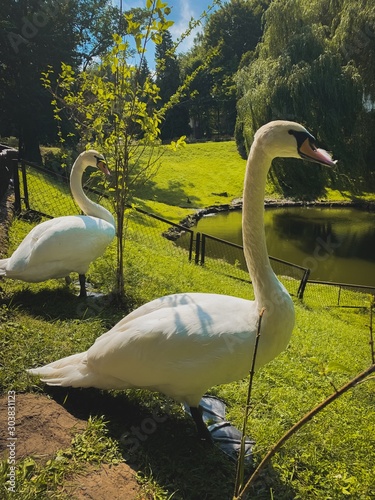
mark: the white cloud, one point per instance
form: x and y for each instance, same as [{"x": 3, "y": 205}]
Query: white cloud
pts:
[{"x": 182, "y": 13}]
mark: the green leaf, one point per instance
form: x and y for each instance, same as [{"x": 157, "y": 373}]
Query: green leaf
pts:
[{"x": 336, "y": 367}]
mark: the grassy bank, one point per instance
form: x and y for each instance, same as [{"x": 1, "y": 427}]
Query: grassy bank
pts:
[
  {"x": 331, "y": 458},
  {"x": 205, "y": 174}
]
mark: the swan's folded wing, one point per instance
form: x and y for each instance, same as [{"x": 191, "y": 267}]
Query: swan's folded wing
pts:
[
  {"x": 21, "y": 256},
  {"x": 69, "y": 239},
  {"x": 176, "y": 346}
]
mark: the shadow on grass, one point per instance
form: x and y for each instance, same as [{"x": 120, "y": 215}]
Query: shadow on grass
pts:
[
  {"x": 157, "y": 437},
  {"x": 63, "y": 304},
  {"x": 174, "y": 194}
]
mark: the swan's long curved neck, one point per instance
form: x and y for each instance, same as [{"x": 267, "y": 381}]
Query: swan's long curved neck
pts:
[
  {"x": 84, "y": 203},
  {"x": 254, "y": 242}
]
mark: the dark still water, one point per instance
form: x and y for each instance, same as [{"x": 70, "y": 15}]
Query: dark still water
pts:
[{"x": 337, "y": 244}]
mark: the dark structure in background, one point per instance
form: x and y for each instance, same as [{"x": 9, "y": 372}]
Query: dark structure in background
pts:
[{"x": 7, "y": 155}]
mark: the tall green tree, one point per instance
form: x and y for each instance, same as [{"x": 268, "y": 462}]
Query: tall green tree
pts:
[
  {"x": 33, "y": 35},
  {"x": 353, "y": 36},
  {"x": 199, "y": 101},
  {"x": 235, "y": 29},
  {"x": 168, "y": 79}
]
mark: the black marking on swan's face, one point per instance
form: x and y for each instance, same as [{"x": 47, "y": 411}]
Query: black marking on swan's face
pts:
[
  {"x": 307, "y": 149},
  {"x": 99, "y": 159},
  {"x": 301, "y": 136}
]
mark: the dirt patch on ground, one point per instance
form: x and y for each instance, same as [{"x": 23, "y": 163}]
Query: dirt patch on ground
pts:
[
  {"x": 42, "y": 428},
  {"x": 115, "y": 482}
]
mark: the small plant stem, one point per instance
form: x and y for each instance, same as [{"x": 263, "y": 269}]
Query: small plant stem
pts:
[
  {"x": 241, "y": 456},
  {"x": 302, "y": 422},
  {"x": 372, "y": 306}
]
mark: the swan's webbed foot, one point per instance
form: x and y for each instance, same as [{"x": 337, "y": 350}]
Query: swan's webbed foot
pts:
[
  {"x": 82, "y": 284},
  {"x": 203, "y": 432}
]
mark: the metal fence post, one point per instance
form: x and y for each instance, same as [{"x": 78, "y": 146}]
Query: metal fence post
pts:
[
  {"x": 191, "y": 246},
  {"x": 197, "y": 247},
  {"x": 24, "y": 184},
  {"x": 16, "y": 185},
  {"x": 203, "y": 249},
  {"x": 303, "y": 284}
]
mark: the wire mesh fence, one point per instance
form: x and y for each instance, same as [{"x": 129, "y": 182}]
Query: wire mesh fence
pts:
[
  {"x": 153, "y": 228},
  {"x": 339, "y": 294},
  {"x": 43, "y": 193}
]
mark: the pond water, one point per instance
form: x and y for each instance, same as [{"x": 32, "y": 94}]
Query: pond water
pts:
[{"x": 337, "y": 244}]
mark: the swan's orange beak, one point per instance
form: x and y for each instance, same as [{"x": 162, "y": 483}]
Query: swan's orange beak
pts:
[
  {"x": 101, "y": 164},
  {"x": 310, "y": 152}
]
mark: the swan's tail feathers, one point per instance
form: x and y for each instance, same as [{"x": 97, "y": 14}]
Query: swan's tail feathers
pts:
[
  {"x": 67, "y": 372},
  {"x": 3, "y": 266}
]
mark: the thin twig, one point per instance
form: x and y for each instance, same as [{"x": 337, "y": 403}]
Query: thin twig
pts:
[
  {"x": 300, "y": 423},
  {"x": 372, "y": 305},
  {"x": 241, "y": 456}
]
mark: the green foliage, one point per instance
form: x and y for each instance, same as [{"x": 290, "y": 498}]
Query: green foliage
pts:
[
  {"x": 354, "y": 37},
  {"x": 168, "y": 79},
  {"x": 114, "y": 107},
  {"x": 234, "y": 30},
  {"x": 36, "y": 34},
  {"x": 299, "y": 73},
  {"x": 94, "y": 445}
]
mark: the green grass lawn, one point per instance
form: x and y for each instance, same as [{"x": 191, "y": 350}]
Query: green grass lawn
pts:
[
  {"x": 332, "y": 457},
  {"x": 195, "y": 176},
  {"x": 204, "y": 174}
]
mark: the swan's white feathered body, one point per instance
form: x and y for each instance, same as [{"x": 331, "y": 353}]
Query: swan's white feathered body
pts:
[
  {"x": 183, "y": 344},
  {"x": 179, "y": 345},
  {"x": 59, "y": 246}
]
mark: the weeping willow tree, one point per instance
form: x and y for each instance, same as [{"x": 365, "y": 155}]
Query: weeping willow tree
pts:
[
  {"x": 299, "y": 74},
  {"x": 354, "y": 39}
]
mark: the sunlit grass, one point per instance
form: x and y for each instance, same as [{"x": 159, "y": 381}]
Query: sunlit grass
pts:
[{"x": 332, "y": 457}]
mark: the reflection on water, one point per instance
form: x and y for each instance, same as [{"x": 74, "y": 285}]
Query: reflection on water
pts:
[{"x": 337, "y": 244}]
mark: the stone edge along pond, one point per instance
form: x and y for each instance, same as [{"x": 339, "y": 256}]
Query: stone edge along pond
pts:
[{"x": 191, "y": 220}]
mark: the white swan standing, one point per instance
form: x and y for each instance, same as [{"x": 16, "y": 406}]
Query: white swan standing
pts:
[
  {"x": 59, "y": 246},
  {"x": 183, "y": 344}
]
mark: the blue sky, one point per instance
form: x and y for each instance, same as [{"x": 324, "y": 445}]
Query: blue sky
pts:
[{"x": 182, "y": 12}]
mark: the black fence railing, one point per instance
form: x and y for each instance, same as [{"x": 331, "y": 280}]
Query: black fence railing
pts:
[{"x": 212, "y": 248}]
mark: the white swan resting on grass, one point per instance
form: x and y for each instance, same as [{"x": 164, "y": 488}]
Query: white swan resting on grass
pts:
[
  {"x": 59, "y": 246},
  {"x": 183, "y": 344}
]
